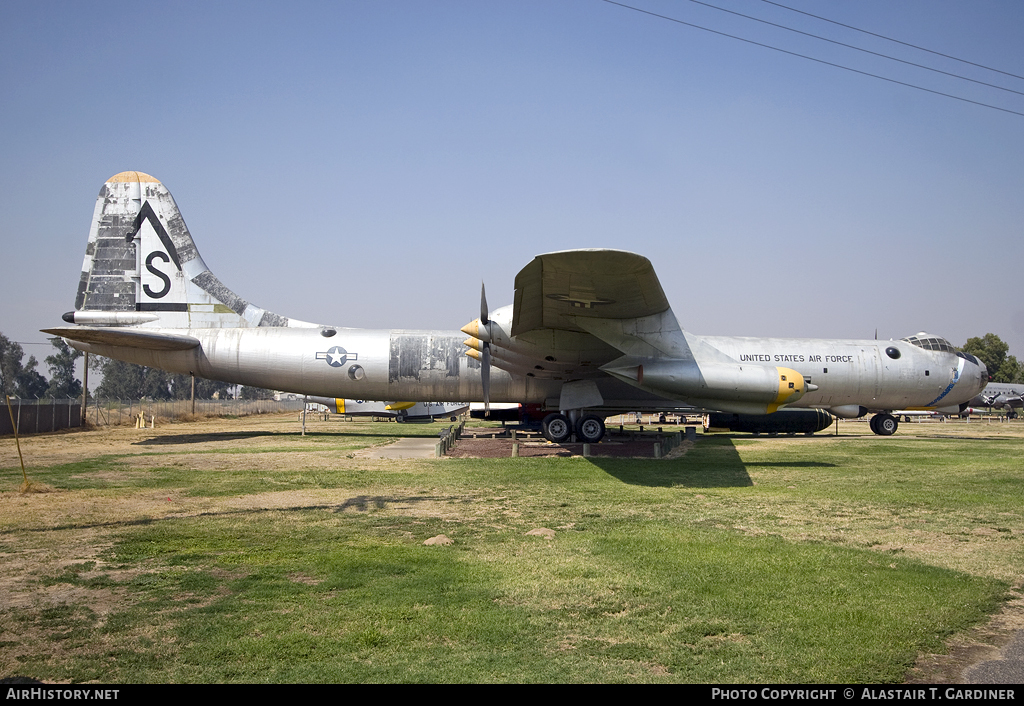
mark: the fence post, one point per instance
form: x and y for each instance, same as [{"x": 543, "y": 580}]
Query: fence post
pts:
[{"x": 85, "y": 393}]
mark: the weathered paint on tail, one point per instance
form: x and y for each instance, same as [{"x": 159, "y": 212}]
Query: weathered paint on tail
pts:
[{"x": 141, "y": 265}]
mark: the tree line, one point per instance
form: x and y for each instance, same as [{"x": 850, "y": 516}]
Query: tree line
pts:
[
  {"x": 992, "y": 351},
  {"x": 129, "y": 381},
  {"x": 22, "y": 380}
]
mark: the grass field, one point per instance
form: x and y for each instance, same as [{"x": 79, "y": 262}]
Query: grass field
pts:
[{"x": 240, "y": 551}]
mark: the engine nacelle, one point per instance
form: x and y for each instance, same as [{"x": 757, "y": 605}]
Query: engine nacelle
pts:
[{"x": 732, "y": 387}]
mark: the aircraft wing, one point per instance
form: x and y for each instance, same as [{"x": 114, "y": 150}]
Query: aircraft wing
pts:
[
  {"x": 132, "y": 338},
  {"x": 557, "y": 288}
]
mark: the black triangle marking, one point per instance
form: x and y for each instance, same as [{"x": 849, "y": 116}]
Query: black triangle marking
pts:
[{"x": 146, "y": 213}]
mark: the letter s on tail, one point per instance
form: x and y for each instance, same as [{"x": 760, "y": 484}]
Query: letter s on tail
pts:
[{"x": 143, "y": 268}]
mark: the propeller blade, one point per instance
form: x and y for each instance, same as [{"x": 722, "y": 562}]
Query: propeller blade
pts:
[
  {"x": 484, "y": 319},
  {"x": 485, "y": 358},
  {"x": 485, "y": 377}
]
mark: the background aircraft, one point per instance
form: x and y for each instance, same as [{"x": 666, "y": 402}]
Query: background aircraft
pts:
[
  {"x": 402, "y": 411},
  {"x": 590, "y": 334},
  {"x": 1000, "y": 395}
]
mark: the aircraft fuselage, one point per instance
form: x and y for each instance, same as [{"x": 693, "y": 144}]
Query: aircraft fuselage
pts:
[
  {"x": 863, "y": 372},
  {"x": 418, "y": 366},
  {"x": 430, "y": 365}
]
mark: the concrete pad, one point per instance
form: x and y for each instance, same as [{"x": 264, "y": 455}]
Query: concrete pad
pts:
[{"x": 1008, "y": 669}]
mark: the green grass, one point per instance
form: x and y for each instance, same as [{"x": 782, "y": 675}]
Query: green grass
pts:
[{"x": 746, "y": 560}]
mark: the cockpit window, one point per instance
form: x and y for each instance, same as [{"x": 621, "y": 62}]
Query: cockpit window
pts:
[
  {"x": 967, "y": 356},
  {"x": 931, "y": 343}
]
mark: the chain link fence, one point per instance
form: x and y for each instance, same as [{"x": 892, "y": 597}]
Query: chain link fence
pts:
[{"x": 36, "y": 416}]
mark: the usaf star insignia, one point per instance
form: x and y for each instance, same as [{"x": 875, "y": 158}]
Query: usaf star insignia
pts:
[{"x": 336, "y": 356}]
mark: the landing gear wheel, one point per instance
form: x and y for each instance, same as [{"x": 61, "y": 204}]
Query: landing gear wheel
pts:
[
  {"x": 884, "y": 424},
  {"x": 1011, "y": 414},
  {"x": 556, "y": 428},
  {"x": 590, "y": 429}
]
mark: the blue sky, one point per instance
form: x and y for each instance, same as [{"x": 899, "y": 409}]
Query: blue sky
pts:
[{"x": 367, "y": 164}]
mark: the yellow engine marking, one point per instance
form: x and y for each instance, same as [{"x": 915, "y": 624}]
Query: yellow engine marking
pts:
[
  {"x": 472, "y": 328},
  {"x": 791, "y": 388}
]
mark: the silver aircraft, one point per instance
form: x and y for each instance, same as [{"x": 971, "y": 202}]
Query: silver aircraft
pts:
[
  {"x": 1001, "y": 395},
  {"x": 590, "y": 334},
  {"x": 399, "y": 411}
]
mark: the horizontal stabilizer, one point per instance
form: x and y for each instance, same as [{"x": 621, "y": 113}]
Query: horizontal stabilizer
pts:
[{"x": 134, "y": 338}]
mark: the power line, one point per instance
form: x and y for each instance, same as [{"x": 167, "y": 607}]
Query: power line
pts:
[
  {"x": 811, "y": 58},
  {"x": 851, "y": 46},
  {"x": 897, "y": 41}
]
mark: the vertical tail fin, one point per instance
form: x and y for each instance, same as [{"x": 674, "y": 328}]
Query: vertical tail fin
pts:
[{"x": 142, "y": 266}]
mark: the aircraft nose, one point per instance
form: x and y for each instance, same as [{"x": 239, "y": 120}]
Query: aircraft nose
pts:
[{"x": 982, "y": 375}]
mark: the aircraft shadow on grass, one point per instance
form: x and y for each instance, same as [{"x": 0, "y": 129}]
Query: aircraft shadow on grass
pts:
[
  {"x": 174, "y": 439},
  {"x": 710, "y": 464}
]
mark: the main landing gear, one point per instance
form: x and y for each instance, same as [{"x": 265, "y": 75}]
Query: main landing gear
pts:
[
  {"x": 884, "y": 424},
  {"x": 558, "y": 428}
]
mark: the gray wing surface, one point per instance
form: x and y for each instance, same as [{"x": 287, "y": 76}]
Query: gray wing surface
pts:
[{"x": 557, "y": 288}]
